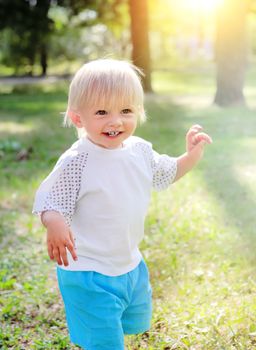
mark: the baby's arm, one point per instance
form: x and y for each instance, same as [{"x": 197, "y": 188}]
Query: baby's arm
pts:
[
  {"x": 195, "y": 143},
  {"x": 59, "y": 237}
]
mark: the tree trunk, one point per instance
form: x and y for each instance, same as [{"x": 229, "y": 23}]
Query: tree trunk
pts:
[
  {"x": 231, "y": 52},
  {"x": 43, "y": 59},
  {"x": 140, "y": 39},
  {"x": 44, "y": 28}
]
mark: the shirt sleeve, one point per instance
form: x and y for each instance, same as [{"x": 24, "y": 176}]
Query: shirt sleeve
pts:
[
  {"x": 60, "y": 190},
  {"x": 162, "y": 166},
  {"x": 164, "y": 170}
]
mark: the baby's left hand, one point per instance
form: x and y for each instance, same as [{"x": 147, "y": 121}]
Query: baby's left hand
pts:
[{"x": 196, "y": 140}]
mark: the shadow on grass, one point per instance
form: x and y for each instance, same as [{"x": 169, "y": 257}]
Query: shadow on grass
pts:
[{"x": 33, "y": 120}]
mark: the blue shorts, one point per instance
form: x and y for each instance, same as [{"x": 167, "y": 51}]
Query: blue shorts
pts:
[{"x": 100, "y": 309}]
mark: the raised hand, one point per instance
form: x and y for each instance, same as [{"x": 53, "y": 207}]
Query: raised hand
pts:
[{"x": 196, "y": 140}]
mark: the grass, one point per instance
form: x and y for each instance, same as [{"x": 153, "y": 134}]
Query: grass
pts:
[{"x": 200, "y": 233}]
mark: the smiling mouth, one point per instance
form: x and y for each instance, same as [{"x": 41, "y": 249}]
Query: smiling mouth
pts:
[{"x": 112, "y": 133}]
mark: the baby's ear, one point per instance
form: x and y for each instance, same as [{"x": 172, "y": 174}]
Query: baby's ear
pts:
[{"x": 75, "y": 118}]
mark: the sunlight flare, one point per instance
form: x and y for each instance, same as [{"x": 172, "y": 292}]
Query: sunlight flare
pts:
[{"x": 203, "y": 5}]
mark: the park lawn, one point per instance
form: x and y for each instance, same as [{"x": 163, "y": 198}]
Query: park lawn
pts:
[{"x": 200, "y": 233}]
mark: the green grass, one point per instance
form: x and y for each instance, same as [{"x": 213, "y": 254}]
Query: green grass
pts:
[{"x": 200, "y": 233}]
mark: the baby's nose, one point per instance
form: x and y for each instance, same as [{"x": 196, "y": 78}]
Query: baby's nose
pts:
[{"x": 116, "y": 120}]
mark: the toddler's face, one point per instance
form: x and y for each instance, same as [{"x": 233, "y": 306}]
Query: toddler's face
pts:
[{"x": 108, "y": 128}]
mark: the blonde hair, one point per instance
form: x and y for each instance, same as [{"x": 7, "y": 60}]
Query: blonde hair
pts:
[{"x": 106, "y": 82}]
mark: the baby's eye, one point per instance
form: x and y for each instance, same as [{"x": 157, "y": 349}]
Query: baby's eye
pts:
[
  {"x": 101, "y": 112},
  {"x": 126, "y": 111}
]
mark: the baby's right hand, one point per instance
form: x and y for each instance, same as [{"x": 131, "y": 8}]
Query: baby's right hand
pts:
[{"x": 59, "y": 237}]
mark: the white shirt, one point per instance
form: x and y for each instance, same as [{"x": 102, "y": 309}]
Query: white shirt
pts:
[{"x": 104, "y": 195}]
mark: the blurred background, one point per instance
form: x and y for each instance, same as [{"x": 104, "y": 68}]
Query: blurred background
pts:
[{"x": 54, "y": 37}]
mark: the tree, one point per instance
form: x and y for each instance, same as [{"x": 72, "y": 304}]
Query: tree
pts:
[
  {"x": 28, "y": 26},
  {"x": 231, "y": 52},
  {"x": 113, "y": 15},
  {"x": 140, "y": 39}
]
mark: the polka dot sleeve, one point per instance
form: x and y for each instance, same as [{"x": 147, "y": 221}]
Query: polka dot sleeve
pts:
[
  {"x": 60, "y": 190},
  {"x": 163, "y": 167},
  {"x": 164, "y": 170}
]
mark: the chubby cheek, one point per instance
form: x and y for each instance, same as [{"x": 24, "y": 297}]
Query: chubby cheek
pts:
[
  {"x": 93, "y": 128},
  {"x": 131, "y": 126}
]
